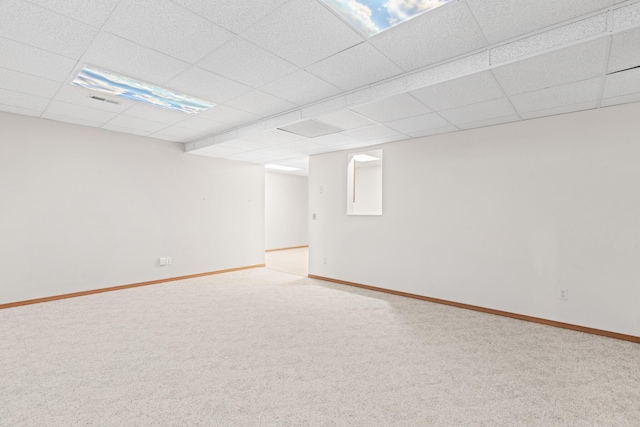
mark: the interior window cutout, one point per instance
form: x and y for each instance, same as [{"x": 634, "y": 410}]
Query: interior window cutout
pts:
[{"x": 364, "y": 183}]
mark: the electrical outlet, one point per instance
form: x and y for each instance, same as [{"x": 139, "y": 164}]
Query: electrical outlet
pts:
[
  {"x": 563, "y": 294},
  {"x": 162, "y": 261}
]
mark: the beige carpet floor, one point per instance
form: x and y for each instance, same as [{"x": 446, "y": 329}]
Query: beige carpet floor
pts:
[{"x": 265, "y": 348}]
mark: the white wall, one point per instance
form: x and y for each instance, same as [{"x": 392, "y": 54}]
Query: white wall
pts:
[
  {"x": 286, "y": 210},
  {"x": 84, "y": 208},
  {"x": 500, "y": 217}
]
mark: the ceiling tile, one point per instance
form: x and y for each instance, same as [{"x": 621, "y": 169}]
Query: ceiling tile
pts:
[
  {"x": 22, "y": 100},
  {"x": 463, "y": 91},
  {"x": 625, "y": 99},
  {"x": 443, "y": 33},
  {"x": 26, "y": 59},
  {"x": 626, "y": 16},
  {"x": 302, "y": 32},
  {"x": 241, "y": 145},
  {"x": 355, "y": 67},
  {"x": 572, "y": 64},
  {"x": 345, "y": 119},
  {"x": 148, "y": 126},
  {"x": 558, "y": 96},
  {"x": 303, "y": 146},
  {"x": 246, "y": 63},
  {"x": 272, "y": 153},
  {"x": 431, "y": 132},
  {"x": 420, "y": 123},
  {"x": 80, "y": 96},
  {"x": 300, "y": 88},
  {"x": 625, "y": 51},
  {"x": 393, "y": 108},
  {"x": 94, "y": 13},
  {"x": 504, "y": 19},
  {"x": 76, "y": 111},
  {"x": 260, "y": 103},
  {"x": 208, "y": 86},
  {"x": 156, "y": 114},
  {"x": 164, "y": 137},
  {"x": 334, "y": 140},
  {"x": 116, "y": 54},
  {"x": 273, "y": 137},
  {"x": 203, "y": 125},
  {"x": 247, "y": 156},
  {"x": 560, "y": 110},
  {"x": 123, "y": 129},
  {"x": 168, "y": 28},
  {"x": 72, "y": 120},
  {"x": 371, "y": 132},
  {"x": 480, "y": 111},
  {"x": 235, "y": 16},
  {"x": 227, "y": 115},
  {"x": 490, "y": 122},
  {"x": 624, "y": 83},
  {"x": 35, "y": 26},
  {"x": 216, "y": 151},
  {"x": 19, "y": 110},
  {"x": 26, "y": 83}
]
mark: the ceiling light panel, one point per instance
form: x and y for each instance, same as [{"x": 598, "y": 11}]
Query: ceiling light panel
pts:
[
  {"x": 446, "y": 32},
  {"x": 575, "y": 63},
  {"x": 373, "y": 16},
  {"x": 247, "y": 63},
  {"x": 26, "y": 59},
  {"x": 503, "y": 20},
  {"x": 135, "y": 90},
  {"x": 355, "y": 67},
  {"x": 167, "y": 28},
  {"x": 300, "y": 88},
  {"x": 35, "y": 26},
  {"x": 463, "y": 91},
  {"x": 393, "y": 108},
  {"x": 235, "y": 16},
  {"x": 311, "y": 129},
  {"x": 302, "y": 32}
]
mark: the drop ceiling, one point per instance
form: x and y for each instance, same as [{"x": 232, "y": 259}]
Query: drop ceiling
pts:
[{"x": 272, "y": 64}]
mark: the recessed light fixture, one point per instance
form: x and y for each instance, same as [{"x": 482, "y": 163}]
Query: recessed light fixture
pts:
[
  {"x": 135, "y": 90},
  {"x": 372, "y": 16},
  {"x": 281, "y": 168},
  {"x": 364, "y": 158}
]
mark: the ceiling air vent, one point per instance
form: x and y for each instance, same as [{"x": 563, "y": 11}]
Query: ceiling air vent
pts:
[{"x": 110, "y": 101}]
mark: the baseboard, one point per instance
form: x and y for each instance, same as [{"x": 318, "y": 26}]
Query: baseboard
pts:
[
  {"x": 286, "y": 249},
  {"x": 117, "y": 288},
  {"x": 570, "y": 326}
]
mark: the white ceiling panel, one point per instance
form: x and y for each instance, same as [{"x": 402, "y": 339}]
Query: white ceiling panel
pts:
[
  {"x": 19, "y": 110},
  {"x": 576, "y": 63},
  {"x": 227, "y": 115},
  {"x": 560, "y": 110},
  {"x": 235, "y": 16},
  {"x": 72, "y": 120},
  {"x": 148, "y": 126},
  {"x": 302, "y": 32},
  {"x": 26, "y": 83},
  {"x": 171, "y": 138},
  {"x": 156, "y": 114},
  {"x": 625, "y": 51},
  {"x": 260, "y": 103},
  {"x": 432, "y": 132},
  {"x": 80, "y": 112},
  {"x": 626, "y": 15},
  {"x": 273, "y": 137},
  {"x": 273, "y": 153},
  {"x": 490, "y": 122},
  {"x": 22, "y": 100},
  {"x": 304, "y": 146},
  {"x": 247, "y": 156},
  {"x": 372, "y": 132},
  {"x": 206, "y": 85},
  {"x": 334, "y": 140},
  {"x": 625, "y": 99},
  {"x": 203, "y": 125},
  {"x": 183, "y": 133},
  {"x": 620, "y": 84},
  {"x": 167, "y": 28},
  {"x": 345, "y": 119},
  {"x": 80, "y": 96},
  {"x": 503, "y": 19},
  {"x": 114, "y": 53},
  {"x": 246, "y": 63},
  {"x": 355, "y": 67},
  {"x": 26, "y": 59},
  {"x": 35, "y": 26},
  {"x": 445, "y": 32},
  {"x": 417, "y": 124},
  {"x": 393, "y": 108},
  {"x": 94, "y": 13},
  {"x": 243, "y": 145},
  {"x": 300, "y": 88},
  {"x": 559, "y": 96},
  {"x": 463, "y": 91},
  {"x": 110, "y": 126},
  {"x": 480, "y": 111}
]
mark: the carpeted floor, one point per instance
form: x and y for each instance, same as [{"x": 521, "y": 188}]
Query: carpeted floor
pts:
[{"x": 266, "y": 348}]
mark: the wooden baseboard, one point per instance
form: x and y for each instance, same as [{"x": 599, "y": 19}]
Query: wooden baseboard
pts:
[
  {"x": 117, "y": 288},
  {"x": 570, "y": 326},
  {"x": 286, "y": 249}
]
